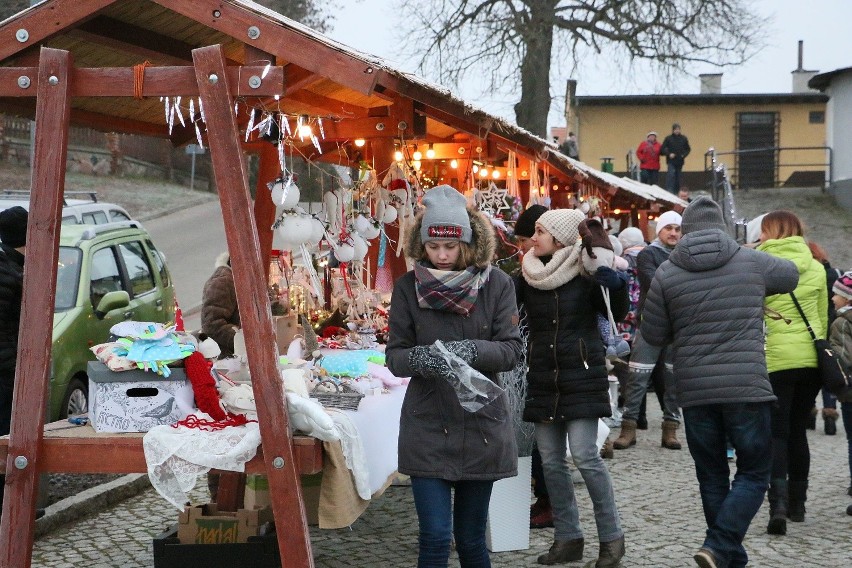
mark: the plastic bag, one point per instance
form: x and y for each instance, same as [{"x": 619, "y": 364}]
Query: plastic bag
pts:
[{"x": 473, "y": 389}]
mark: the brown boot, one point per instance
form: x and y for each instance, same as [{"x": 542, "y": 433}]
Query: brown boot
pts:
[
  {"x": 610, "y": 553},
  {"x": 607, "y": 452},
  {"x": 563, "y": 551},
  {"x": 627, "y": 437},
  {"x": 670, "y": 435},
  {"x": 829, "y": 418}
]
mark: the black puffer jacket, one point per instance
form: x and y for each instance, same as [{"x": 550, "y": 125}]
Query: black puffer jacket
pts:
[
  {"x": 567, "y": 376},
  {"x": 11, "y": 280}
]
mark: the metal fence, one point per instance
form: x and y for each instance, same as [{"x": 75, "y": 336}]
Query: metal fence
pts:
[{"x": 777, "y": 166}]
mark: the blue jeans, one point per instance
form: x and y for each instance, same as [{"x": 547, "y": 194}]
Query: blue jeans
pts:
[
  {"x": 643, "y": 359},
  {"x": 673, "y": 177},
  {"x": 581, "y": 435},
  {"x": 649, "y": 176},
  {"x": 729, "y": 506},
  {"x": 440, "y": 519}
]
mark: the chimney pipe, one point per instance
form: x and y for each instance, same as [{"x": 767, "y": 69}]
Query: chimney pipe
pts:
[{"x": 801, "y": 55}]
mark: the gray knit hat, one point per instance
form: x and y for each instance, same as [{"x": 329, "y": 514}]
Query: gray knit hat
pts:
[
  {"x": 446, "y": 216},
  {"x": 703, "y": 213},
  {"x": 13, "y": 226},
  {"x": 562, "y": 224}
]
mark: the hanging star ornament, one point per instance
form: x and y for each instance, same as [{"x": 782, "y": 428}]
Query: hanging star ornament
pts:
[{"x": 493, "y": 200}]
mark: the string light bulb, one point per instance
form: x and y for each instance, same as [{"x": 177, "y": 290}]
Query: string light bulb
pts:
[
  {"x": 430, "y": 153},
  {"x": 483, "y": 173},
  {"x": 305, "y": 130},
  {"x": 495, "y": 174},
  {"x": 397, "y": 154},
  {"x": 359, "y": 142},
  {"x": 454, "y": 164},
  {"x": 417, "y": 155},
  {"x": 475, "y": 168}
]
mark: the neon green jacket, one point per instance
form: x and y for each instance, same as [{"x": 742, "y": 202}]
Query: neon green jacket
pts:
[{"x": 789, "y": 346}]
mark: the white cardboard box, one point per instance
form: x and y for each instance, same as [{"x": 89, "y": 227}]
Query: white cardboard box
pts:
[{"x": 136, "y": 401}]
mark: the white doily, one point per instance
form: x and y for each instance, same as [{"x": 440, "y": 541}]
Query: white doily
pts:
[
  {"x": 176, "y": 457},
  {"x": 353, "y": 452}
]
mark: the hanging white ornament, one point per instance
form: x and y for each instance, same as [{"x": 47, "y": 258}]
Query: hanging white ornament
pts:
[
  {"x": 584, "y": 207},
  {"x": 390, "y": 214},
  {"x": 371, "y": 232},
  {"x": 359, "y": 247},
  {"x": 344, "y": 252},
  {"x": 362, "y": 224},
  {"x": 285, "y": 193},
  {"x": 317, "y": 231},
  {"x": 295, "y": 229}
]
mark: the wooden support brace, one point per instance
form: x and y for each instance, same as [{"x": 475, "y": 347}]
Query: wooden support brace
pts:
[
  {"x": 53, "y": 109},
  {"x": 229, "y": 169}
]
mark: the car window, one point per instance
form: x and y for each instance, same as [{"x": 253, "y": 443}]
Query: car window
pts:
[
  {"x": 105, "y": 275},
  {"x": 159, "y": 260},
  {"x": 138, "y": 269},
  {"x": 69, "y": 220},
  {"x": 116, "y": 215},
  {"x": 95, "y": 218},
  {"x": 67, "y": 278}
]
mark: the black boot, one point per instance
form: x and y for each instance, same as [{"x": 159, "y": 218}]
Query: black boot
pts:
[
  {"x": 563, "y": 551},
  {"x": 777, "y": 507},
  {"x": 797, "y": 495},
  {"x": 610, "y": 553}
]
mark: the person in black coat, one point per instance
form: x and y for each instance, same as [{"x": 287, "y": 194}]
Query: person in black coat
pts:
[
  {"x": 567, "y": 384},
  {"x": 13, "y": 234},
  {"x": 675, "y": 148}
]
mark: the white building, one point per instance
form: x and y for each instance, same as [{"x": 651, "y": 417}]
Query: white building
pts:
[{"x": 837, "y": 85}]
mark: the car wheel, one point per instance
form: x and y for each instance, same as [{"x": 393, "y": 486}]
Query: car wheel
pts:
[{"x": 76, "y": 399}]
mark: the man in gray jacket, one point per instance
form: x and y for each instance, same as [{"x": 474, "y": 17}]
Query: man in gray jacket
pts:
[{"x": 707, "y": 302}]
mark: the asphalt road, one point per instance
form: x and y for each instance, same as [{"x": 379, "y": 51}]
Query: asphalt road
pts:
[{"x": 191, "y": 239}]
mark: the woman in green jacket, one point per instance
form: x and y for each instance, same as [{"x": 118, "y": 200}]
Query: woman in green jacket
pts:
[{"x": 792, "y": 364}]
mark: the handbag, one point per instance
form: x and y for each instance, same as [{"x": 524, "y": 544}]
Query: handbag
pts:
[{"x": 834, "y": 377}]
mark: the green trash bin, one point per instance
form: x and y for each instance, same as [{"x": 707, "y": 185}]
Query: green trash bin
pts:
[{"x": 607, "y": 165}]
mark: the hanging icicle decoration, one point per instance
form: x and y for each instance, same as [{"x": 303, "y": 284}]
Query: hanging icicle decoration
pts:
[
  {"x": 299, "y": 128},
  {"x": 281, "y": 156},
  {"x": 172, "y": 117},
  {"x": 236, "y": 108},
  {"x": 250, "y": 125},
  {"x": 166, "y": 108},
  {"x": 315, "y": 140},
  {"x": 285, "y": 125},
  {"x": 192, "y": 110},
  {"x": 198, "y": 134},
  {"x": 321, "y": 129},
  {"x": 179, "y": 112},
  {"x": 312, "y": 273},
  {"x": 201, "y": 110}
]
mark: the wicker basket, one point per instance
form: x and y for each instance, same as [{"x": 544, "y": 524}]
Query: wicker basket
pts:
[{"x": 345, "y": 397}]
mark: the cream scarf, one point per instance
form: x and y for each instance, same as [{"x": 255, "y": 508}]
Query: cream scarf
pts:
[{"x": 563, "y": 267}]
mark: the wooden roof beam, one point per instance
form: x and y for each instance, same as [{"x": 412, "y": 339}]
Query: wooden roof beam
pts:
[
  {"x": 326, "y": 106},
  {"x": 274, "y": 37},
  {"x": 297, "y": 78},
  {"x": 125, "y": 37},
  {"x": 45, "y": 20},
  {"x": 159, "y": 81}
]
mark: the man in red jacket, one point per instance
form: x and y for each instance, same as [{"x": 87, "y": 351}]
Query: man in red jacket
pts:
[{"x": 648, "y": 153}]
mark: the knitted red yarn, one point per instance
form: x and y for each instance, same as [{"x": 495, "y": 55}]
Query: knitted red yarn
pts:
[
  {"x": 332, "y": 330},
  {"x": 203, "y": 385}
]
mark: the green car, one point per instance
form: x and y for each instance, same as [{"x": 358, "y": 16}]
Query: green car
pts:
[{"x": 106, "y": 274}]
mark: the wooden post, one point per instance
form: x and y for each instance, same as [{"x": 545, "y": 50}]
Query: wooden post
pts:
[
  {"x": 285, "y": 490},
  {"x": 53, "y": 108},
  {"x": 264, "y": 210}
]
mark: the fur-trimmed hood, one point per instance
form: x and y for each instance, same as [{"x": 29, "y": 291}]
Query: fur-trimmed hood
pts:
[
  {"x": 224, "y": 259},
  {"x": 483, "y": 241}
]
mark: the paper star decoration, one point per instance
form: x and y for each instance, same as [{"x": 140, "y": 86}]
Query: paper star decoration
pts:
[{"x": 493, "y": 200}]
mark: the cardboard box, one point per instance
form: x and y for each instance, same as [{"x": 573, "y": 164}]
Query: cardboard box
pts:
[
  {"x": 204, "y": 524},
  {"x": 257, "y": 491},
  {"x": 136, "y": 401},
  {"x": 257, "y": 494},
  {"x": 259, "y": 552}
]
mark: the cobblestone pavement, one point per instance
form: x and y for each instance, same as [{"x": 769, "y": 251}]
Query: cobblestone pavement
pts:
[{"x": 655, "y": 488}]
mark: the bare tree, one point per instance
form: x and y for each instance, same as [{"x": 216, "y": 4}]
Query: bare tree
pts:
[{"x": 512, "y": 40}]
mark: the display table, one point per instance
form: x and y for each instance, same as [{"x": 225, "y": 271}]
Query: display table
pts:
[{"x": 377, "y": 423}]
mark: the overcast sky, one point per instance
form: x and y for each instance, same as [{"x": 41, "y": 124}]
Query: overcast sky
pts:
[{"x": 369, "y": 26}]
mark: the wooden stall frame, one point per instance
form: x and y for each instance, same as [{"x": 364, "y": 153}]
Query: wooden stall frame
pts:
[{"x": 26, "y": 451}]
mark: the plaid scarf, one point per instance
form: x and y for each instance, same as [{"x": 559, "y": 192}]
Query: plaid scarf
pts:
[{"x": 449, "y": 290}]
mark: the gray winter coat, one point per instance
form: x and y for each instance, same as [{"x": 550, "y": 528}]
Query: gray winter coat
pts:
[
  {"x": 437, "y": 437},
  {"x": 707, "y": 300}
]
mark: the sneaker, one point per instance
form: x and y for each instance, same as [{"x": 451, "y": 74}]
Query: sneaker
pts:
[{"x": 705, "y": 558}]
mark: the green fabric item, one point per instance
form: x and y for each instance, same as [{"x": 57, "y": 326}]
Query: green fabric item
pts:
[{"x": 790, "y": 346}]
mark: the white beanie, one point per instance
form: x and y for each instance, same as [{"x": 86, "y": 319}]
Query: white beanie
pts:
[
  {"x": 562, "y": 224},
  {"x": 631, "y": 237},
  {"x": 668, "y": 218},
  {"x": 617, "y": 247}
]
